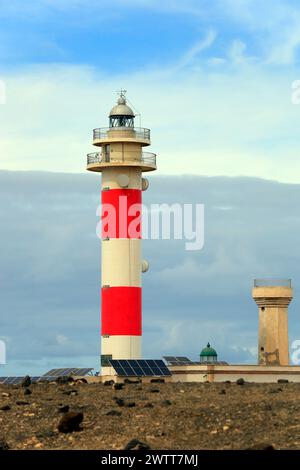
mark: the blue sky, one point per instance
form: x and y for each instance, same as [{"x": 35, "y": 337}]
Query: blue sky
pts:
[
  {"x": 123, "y": 35},
  {"x": 213, "y": 80}
]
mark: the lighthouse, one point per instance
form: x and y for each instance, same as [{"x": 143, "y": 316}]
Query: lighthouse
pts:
[{"x": 122, "y": 162}]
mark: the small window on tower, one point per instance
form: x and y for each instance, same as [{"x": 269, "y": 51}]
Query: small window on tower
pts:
[
  {"x": 107, "y": 152},
  {"x": 105, "y": 358}
]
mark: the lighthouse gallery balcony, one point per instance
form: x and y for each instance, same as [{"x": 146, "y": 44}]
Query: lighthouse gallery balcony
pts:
[
  {"x": 97, "y": 160},
  {"x": 124, "y": 134}
]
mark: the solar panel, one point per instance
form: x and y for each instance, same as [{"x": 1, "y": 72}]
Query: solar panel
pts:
[
  {"x": 178, "y": 360},
  {"x": 68, "y": 371},
  {"x": 19, "y": 380},
  {"x": 13, "y": 380},
  {"x": 34, "y": 379},
  {"x": 140, "y": 368}
]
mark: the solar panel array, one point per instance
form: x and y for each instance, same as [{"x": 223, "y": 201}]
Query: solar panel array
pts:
[
  {"x": 50, "y": 376},
  {"x": 185, "y": 361},
  {"x": 19, "y": 380},
  {"x": 140, "y": 368},
  {"x": 177, "y": 360},
  {"x": 67, "y": 372}
]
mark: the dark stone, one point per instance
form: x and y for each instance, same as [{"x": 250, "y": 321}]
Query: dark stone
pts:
[
  {"x": 5, "y": 408},
  {"x": 166, "y": 402},
  {"x": 113, "y": 413},
  {"x": 154, "y": 390},
  {"x": 130, "y": 404},
  {"x": 27, "y": 391},
  {"x": 70, "y": 422},
  {"x": 135, "y": 444},
  {"x": 81, "y": 381},
  {"x": 26, "y": 382},
  {"x": 157, "y": 381},
  {"x": 3, "y": 445},
  {"x": 21, "y": 402},
  {"x": 70, "y": 392},
  {"x": 130, "y": 381},
  {"x": 275, "y": 390},
  {"x": 119, "y": 401},
  {"x": 261, "y": 446},
  {"x": 63, "y": 408},
  {"x": 64, "y": 380},
  {"x": 108, "y": 382},
  {"x": 282, "y": 381},
  {"x": 148, "y": 405},
  {"x": 118, "y": 386},
  {"x": 222, "y": 392},
  {"x": 240, "y": 381}
]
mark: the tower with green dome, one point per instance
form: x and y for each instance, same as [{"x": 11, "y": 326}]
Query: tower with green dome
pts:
[{"x": 208, "y": 354}]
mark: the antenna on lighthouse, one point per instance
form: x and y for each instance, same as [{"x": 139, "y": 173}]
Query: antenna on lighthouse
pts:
[{"x": 122, "y": 93}]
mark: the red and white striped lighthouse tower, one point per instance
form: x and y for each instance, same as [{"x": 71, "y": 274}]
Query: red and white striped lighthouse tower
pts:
[{"x": 122, "y": 161}]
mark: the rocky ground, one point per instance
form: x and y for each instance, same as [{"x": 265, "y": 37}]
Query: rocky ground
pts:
[{"x": 162, "y": 416}]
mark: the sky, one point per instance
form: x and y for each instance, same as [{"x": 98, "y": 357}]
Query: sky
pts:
[
  {"x": 214, "y": 83},
  {"x": 50, "y": 269}
]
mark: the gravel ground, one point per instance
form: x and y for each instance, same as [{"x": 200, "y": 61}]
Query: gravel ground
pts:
[{"x": 163, "y": 416}]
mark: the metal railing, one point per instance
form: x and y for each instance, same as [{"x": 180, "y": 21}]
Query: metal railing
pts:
[
  {"x": 139, "y": 132},
  {"x": 95, "y": 157},
  {"x": 147, "y": 158},
  {"x": 272, "y": 282}
]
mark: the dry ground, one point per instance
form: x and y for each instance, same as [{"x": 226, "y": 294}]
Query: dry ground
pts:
[{"x": 182, "y": 416}]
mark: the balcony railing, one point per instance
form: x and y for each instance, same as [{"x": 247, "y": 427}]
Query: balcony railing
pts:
[
  {"x": 272, "y": 282},
  {"x": 147, "y": 158},
  {"x": 95, "y": 157},
  {"x": 139, "y": 132}
]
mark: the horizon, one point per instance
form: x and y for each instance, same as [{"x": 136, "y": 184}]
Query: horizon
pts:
[{"x": 219, "y": 87}]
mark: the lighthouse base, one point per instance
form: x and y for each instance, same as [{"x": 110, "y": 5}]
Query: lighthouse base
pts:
[{"x": 118, "y": 347}]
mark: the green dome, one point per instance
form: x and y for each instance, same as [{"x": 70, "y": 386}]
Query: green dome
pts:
[{"x": 208, "y": 352}]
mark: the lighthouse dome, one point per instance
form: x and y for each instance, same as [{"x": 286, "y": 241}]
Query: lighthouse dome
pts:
[
  {"x": 121, "y": 114},
  {"x": 121, "y": 108}
]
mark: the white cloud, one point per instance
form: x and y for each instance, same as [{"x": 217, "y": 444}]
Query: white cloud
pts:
[
  {"x": 195, "y": 50},
  {"x": 230, "y": 120},
  {"x": 62, "y": 340}
]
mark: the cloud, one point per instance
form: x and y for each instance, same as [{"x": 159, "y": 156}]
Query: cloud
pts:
[
  {"x": 225, "y": 121},
  {"x": 49, "y": 280},
  {"x": 193, "y": 52}
]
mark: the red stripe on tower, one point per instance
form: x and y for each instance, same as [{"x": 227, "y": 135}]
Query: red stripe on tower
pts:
[
  {"x": 121, "y": 213},
  {"x": 121, "y": 311}
]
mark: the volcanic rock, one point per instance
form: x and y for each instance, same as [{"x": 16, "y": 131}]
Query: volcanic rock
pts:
[{"x": 70, "y": 422}]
